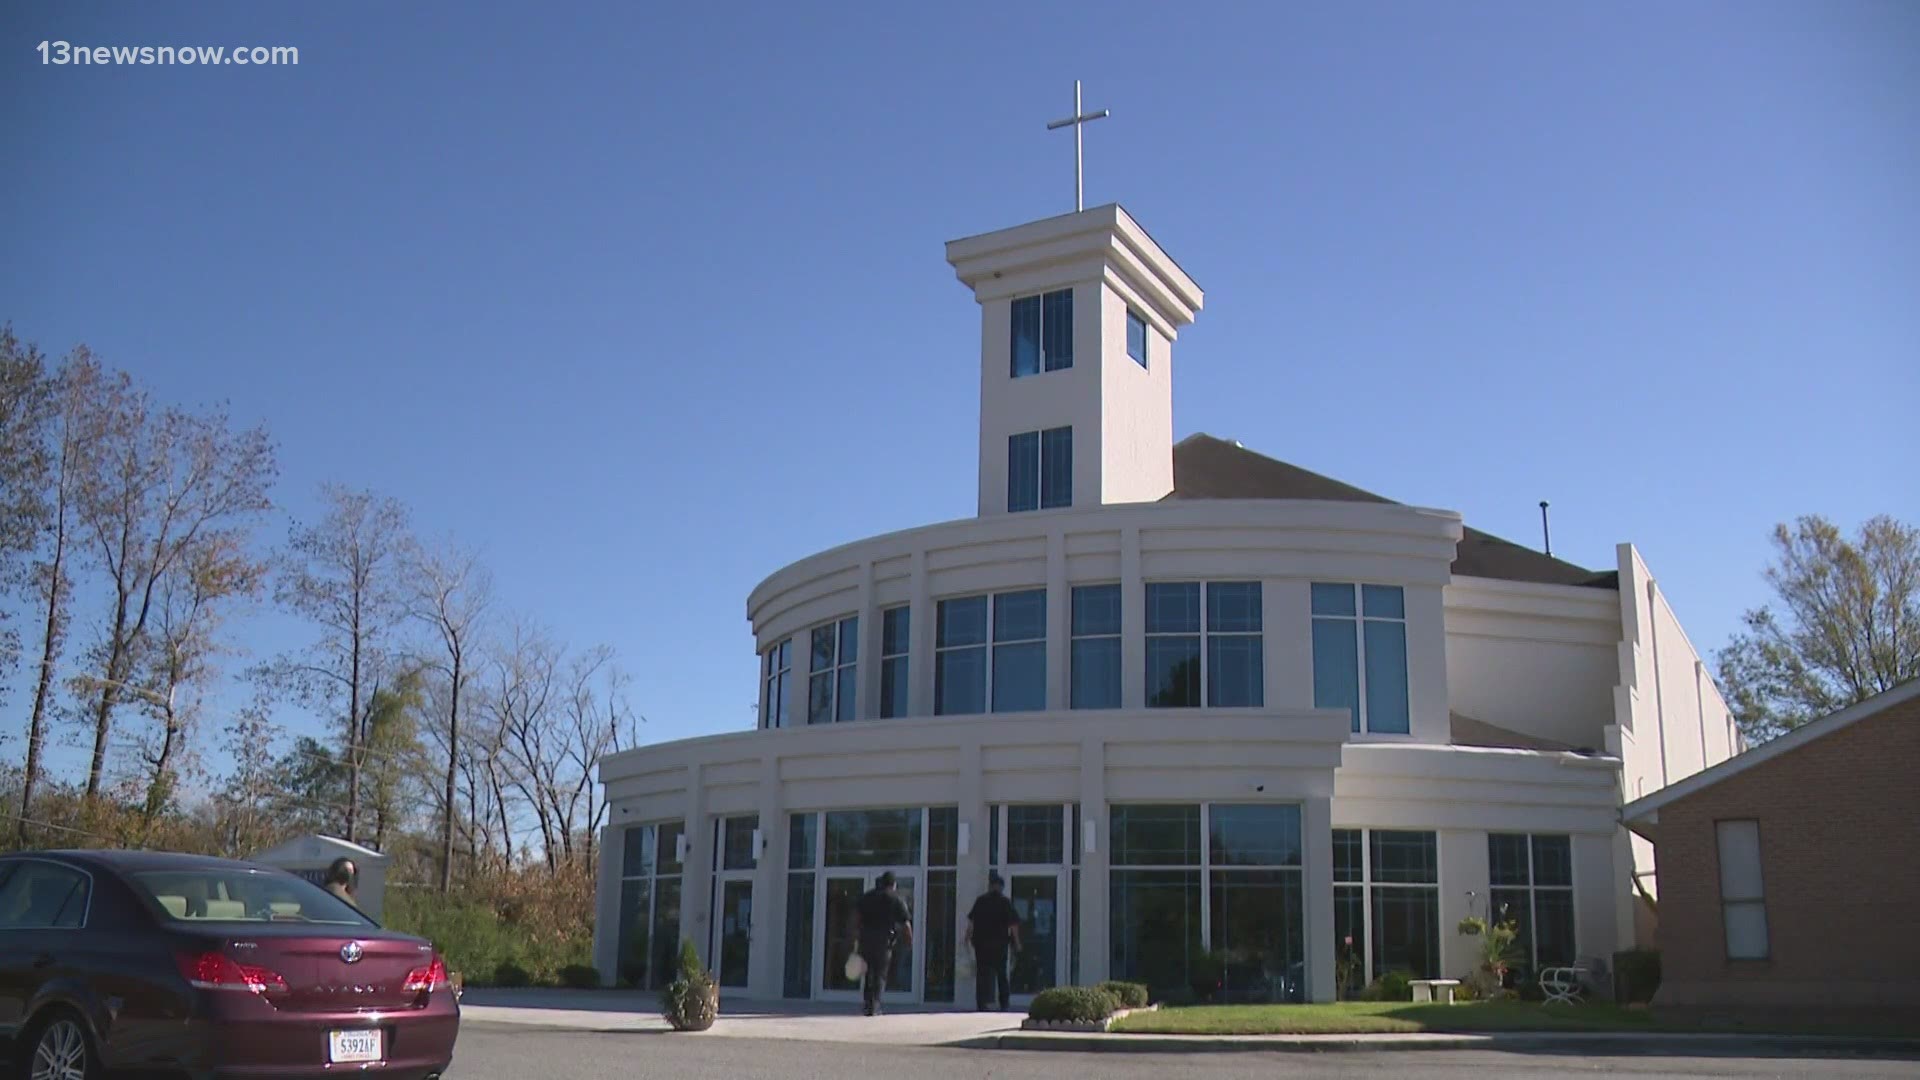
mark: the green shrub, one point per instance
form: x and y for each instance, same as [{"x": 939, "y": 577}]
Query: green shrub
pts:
[
  {"x": 1073, "y": 1004},
  {"x": 1391, "y": 986},
  {"x": 580, "y": 977},
  {"x": 1636, "y": 974},
  {"x": 1130, "y": 995},
  {"x": 511, "y": 974},
  {"x": 486, "y": 925},
  {"x": 691, "y": 1002}
]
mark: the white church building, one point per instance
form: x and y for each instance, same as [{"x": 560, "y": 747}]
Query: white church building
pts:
[{"x": 1216, "y": 719}]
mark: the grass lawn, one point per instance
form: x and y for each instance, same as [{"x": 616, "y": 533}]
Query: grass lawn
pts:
[
  {"x": 1367, "y": 1017},
  {"x": 1349, "y": 1017}
]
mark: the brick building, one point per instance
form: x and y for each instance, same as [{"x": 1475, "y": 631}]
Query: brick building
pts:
[{"x": 1790, "y": 874}]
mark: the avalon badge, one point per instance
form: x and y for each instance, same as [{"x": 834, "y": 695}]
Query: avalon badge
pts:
[{"x": 351, "y": 952}]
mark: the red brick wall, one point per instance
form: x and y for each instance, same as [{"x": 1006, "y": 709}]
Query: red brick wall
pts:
[{"x": 1840, "y": 862}]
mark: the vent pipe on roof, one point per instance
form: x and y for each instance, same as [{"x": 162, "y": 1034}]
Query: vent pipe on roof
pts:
[{"x": 1546, "y": 531}]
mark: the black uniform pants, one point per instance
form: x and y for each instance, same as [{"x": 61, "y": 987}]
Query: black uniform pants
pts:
[
  {"x": 990, "y": 974},
  {"x": 878, "y": 953}
]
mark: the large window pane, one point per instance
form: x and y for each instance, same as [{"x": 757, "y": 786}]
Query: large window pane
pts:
[
  {"x": 1020, "y": 616},
  {"x": 1387, "y": 677},
  {"x": 1156, "y": 835},
  {"x": 1258, "y": 925},
  {"x": 1383, "y": 601},
  {"x": 1552, "y": 860},
  {"x": 1350, "y": 940},
  {"x": 1553, "y": 926},
  {"x": 1254, "y": 834},
  {"x": 942, "y": 917},
  {"x": 1096, "y": 673},
  {"x": 943, "y": 836},
  {"x": 1233, "y": 607},
  {"x": 1333, "y": 599},
  {"x": 1173, "y": 607},
  {"x": 820, "y": 699},
  {"x": 666, "y": 932},
  {"x": 798, "y": 974},
  {"x": 1349, "y": 855},
  {"x": 1057, "y": 329},
  {"x": 960, "y": 682},
  {"x": 873, "y": 837},
  {"x": 1023, "y": 472},
  {"x": 846, "y": 697},
  {"x": 1034, "y": 835},
  {"x": 1020, "y": 677},
  {"x": 1096, "y": 610},
  {"x": 1137, "y": 338},
  {"x": 637, "y": 859},
  {"x": 1024, "y": 345},
  {"x": 1336, "y": 667},
  {"x": 736, "y": 845},
  {"x": 1405, "y": 857},
  {"x": 1155, "y": 927},
  {"x": 1507, "y": 859},
  {"x": 1056, "y": 467},
  {"x": 893, "y": 687},
  {"x": 1173, "y": 672},
  {"x": 636, "y": 929},
  {"x": 1406, "y": 931},
  {"x": 1235, "y": 672},
  {"x": 669, "y": 846},
  {"x": 801, "y": 831}
]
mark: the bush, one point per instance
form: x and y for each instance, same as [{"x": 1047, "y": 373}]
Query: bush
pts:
[
  {"x": 692, "y": 1001},
  {"x": 530, "y": 920},
  {"x": 1636, "y": 975},
  {"x": 1073, "y": 1004},
  {"x": 580, "y": 977},
  {"x": 511, "y": 974},
  {"x": 1391, "y": 986},
  {"x": 1130, "y": 995}
]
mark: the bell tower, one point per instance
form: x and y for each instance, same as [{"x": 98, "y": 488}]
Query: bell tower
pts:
[{"x": 1078, "y": 316}]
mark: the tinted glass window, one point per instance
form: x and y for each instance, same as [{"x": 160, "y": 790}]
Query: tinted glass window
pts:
[
  {"x": 219, "y": 894},
  {"x": 39, "y": 896}
]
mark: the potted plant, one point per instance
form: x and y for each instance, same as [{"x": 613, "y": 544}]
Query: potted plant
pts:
[
  {"x": 1498, "y": 950},
  {"x": 692, "y": 1001}
]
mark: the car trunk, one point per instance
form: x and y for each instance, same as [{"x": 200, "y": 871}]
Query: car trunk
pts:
[{"x": 319, "y": 976}]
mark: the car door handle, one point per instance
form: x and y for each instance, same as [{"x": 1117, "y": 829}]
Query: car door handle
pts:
[{"x": 43, "y": 960}]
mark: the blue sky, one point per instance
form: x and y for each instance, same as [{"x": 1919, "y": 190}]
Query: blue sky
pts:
[{"x": 647, "y": 302}]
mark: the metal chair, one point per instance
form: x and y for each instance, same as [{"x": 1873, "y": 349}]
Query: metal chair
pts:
[{"x": 1565, "y": 985}]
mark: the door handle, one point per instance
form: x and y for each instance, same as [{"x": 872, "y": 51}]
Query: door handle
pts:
[{"x": 43, "y": 960}]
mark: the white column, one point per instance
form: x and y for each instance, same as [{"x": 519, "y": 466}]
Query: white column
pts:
[
  {"x": 1596, "y": 897},
  {"x": 1428, "y": 715},
  {"x": 920, "y": 632},
  {"x": 1316, "y": 825},
  {"x": 1463, "y": 870},
  {"x": 606, "y": 903},
  {"x": 1094, "y": 910},
  {"x": 769, "y": 919},
  {"x": 1286, "y": 623},
  {"x": 971, "y": 879},
  {"x": 867, "y": 674},
  {"x": 696, "y": 873}
]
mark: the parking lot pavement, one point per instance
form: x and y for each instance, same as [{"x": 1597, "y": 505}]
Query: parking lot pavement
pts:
[{"x": 491, "y": 1052}]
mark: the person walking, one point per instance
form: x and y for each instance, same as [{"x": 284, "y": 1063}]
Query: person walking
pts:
[
  {"x": 992, "y": 926},
  {"x": 885, "y": 923},
  {"x": 341, "y": 879}
]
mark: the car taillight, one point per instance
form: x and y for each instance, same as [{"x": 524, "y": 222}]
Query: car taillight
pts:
[
  {"x": 218, "y": 971},
  {"x": 429, "y": 978}
]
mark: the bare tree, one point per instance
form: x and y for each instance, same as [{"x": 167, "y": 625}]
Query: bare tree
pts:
[
  {"x": 342, "y": 575},
  {"x": 451, "y": 593},
  {"x": 179, "y": 664},
  {"x": 600, "y": 722},
  {"x": 524, "y": 687},
  {"x": 243, "y": 814},
  {"x": 157, "y": 484},
  {"x": 26, "y": 414}
]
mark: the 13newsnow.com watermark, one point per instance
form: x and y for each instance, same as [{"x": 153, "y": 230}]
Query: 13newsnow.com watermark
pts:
[{"x": 64, "y": 52}]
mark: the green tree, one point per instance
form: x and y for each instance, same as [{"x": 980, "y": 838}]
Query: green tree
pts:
[{"x": 1845, "y": 625}]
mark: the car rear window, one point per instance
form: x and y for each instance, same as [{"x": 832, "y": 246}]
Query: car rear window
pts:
[{"x": 217, "y": 894}]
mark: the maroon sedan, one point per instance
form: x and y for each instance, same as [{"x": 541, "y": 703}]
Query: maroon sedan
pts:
[{"x": 207, "y": 968}]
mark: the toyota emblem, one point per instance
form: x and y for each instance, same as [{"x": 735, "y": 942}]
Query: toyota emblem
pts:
[{"x": 350, "y": 952}]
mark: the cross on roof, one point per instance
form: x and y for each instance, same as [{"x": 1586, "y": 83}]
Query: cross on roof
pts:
[{"x": 1078, "y": 120}]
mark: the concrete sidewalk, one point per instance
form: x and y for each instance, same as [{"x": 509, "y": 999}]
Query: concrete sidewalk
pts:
[
  {"x": 1585, "y": 1042},
  {"x": 639, "y": 1013}
]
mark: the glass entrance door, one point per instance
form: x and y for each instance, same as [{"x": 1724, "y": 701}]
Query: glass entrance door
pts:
[
  {"x": 839, "y": 933},
  {"x": 735, "y": 930},
  {"x": 1040, "y": 899}
]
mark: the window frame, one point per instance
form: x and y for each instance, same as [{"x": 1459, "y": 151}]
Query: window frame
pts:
[
  {"x": 1368, "y": 883},
  {"x": 1363, "y": 713},
  {"x": 1758, "y": 900},
  {"x": 774, "y": 711},
  {"x": 1134, "y": 319},
  {"x": 1118, "y": 636},
  {"x": 1057, "y": 497},
  {"x": 1533, "y": 889},
  {"x": 838, "y": 671},
  {"x": 1044, "y": 359},
  {"x": 1204, "y": 636},
  {"x": 904, "y": 658},
  {"x": 653, "y": 876},
  {"x": 991, "y": 646}
]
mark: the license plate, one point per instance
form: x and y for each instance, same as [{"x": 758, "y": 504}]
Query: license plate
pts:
[{"x": 349, "y": 1046}]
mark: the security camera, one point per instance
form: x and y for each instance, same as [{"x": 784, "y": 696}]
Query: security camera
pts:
[{"x": 1259, "y": 787}]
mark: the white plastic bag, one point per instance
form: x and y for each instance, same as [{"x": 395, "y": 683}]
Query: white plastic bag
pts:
[{"x": 856, "y": 967}]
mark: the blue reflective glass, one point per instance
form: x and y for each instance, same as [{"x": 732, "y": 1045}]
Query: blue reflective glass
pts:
[
  {"x": 1057, "y": 330},
  {"x": 893, "y": 687},
  {"x": 1383, "y": 601},
  {"x": 1254, "y": 834},
  {"x": 1173, "y": 608},
  {"x": 1137, "y": 338},
  {"x": 894, "y": 625},
  {"x": 850, "y": 639},
  {"x": 822, "y": 647},
  {"x": 1233, "y": 606},
  {"x": 820, "y": 699},
  {"x": 1234, "y": 675},
  {"x": 1387, "y": 677},
  {"x": 1024, "y": 347},
  {"x": 1020, "y": 616},
  {"x": 1023, "y": 472},
  {"x": 1332, "y": 599},
  {"x": 963, "y": 621},
  {"x": 1336, "y": 667},
  {"x": 960, "y": 682},
  {"x": 1173, "y": 672},
  {"x": 845, "y": 695},
  {"x": 1096, "y": 673},
  {"x": 1096, "y": 609},
  {"x": 1020, "y": 677},
  {"x": 1056, "y": 467}
]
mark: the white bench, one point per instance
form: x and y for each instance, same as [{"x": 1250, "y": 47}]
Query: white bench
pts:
[{"x": 1434, "y": 990}]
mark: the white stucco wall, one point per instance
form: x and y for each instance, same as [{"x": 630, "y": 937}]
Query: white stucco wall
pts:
[{"x": 1538, "y": 659}]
